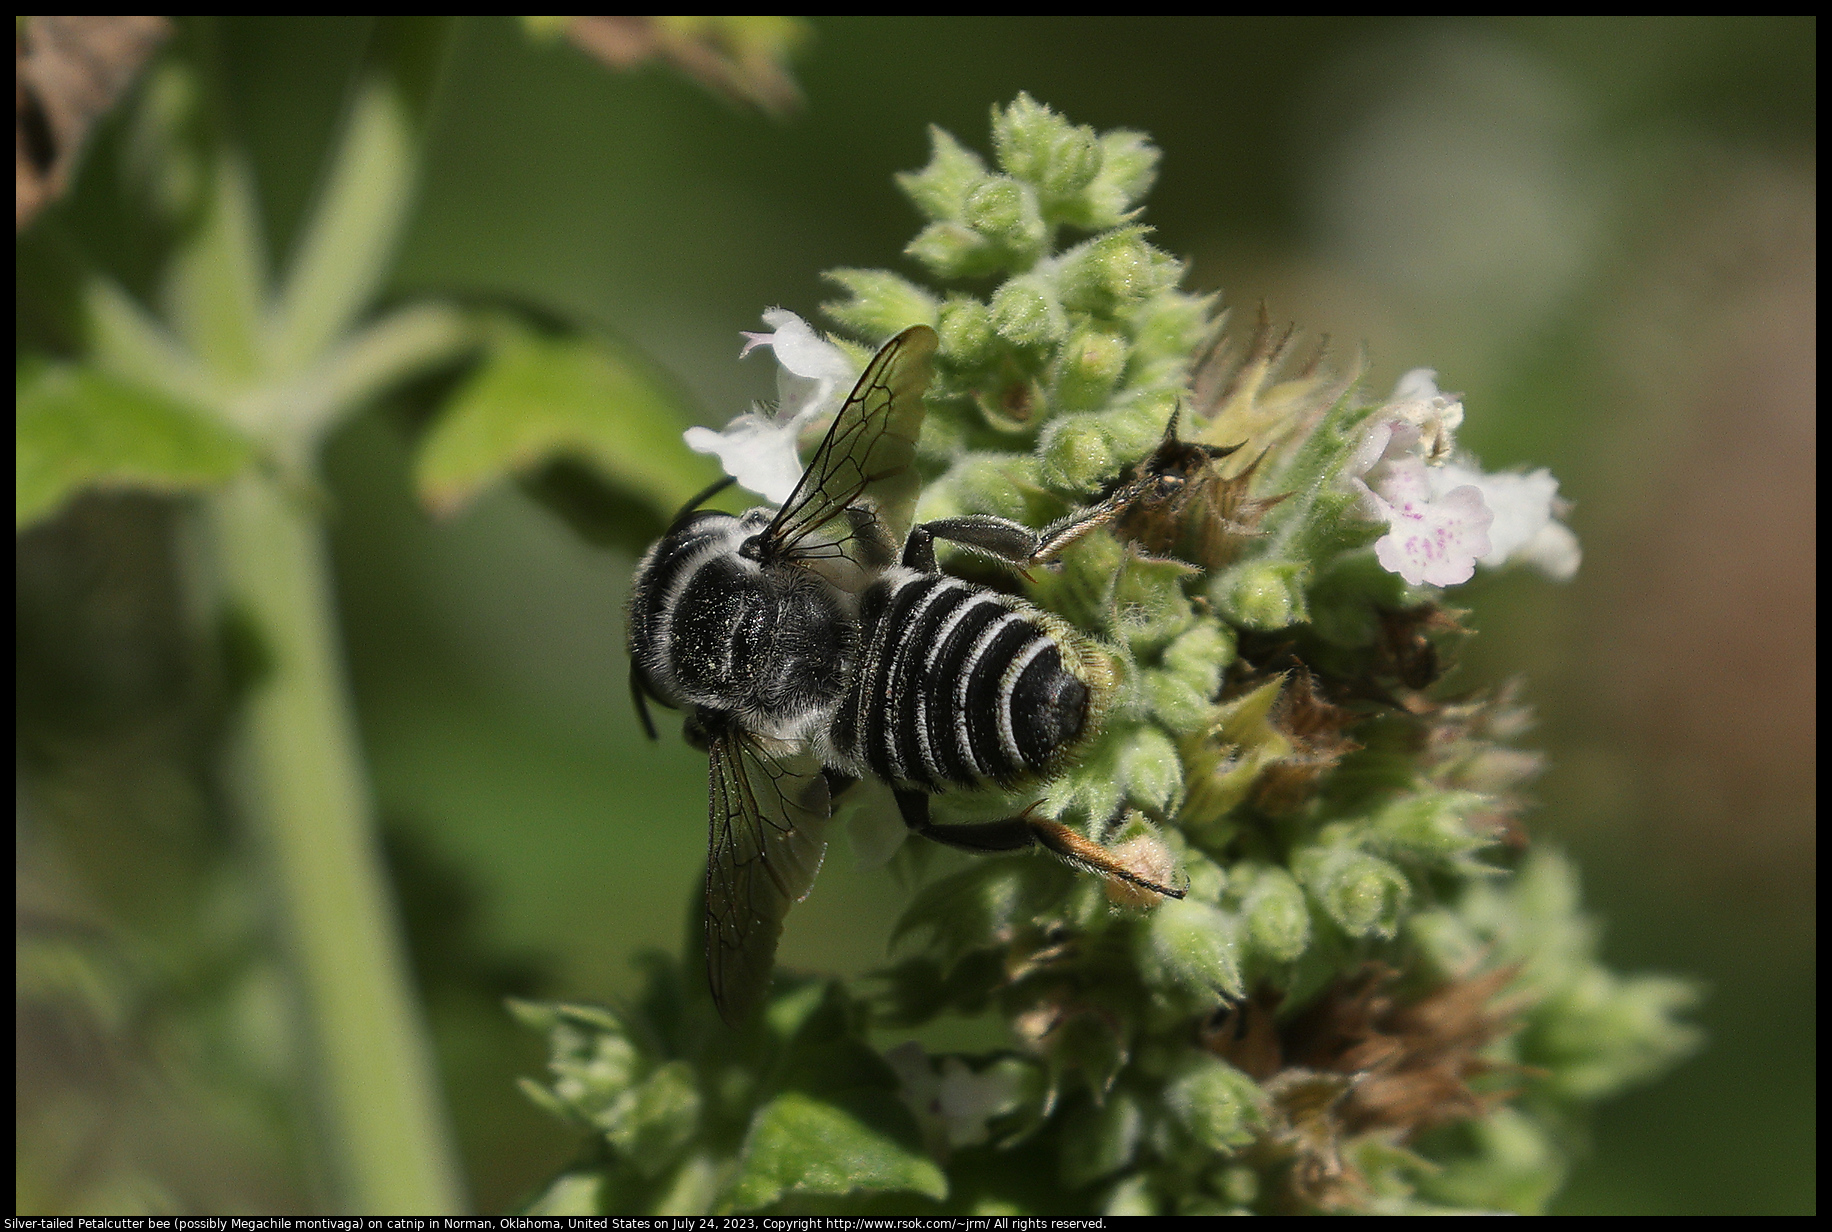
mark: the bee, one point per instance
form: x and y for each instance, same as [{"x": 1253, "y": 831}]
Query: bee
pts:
[{"x": 818, "y": 643}]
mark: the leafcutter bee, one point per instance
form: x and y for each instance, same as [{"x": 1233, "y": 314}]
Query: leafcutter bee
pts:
[{"x": 817, "y": 643}]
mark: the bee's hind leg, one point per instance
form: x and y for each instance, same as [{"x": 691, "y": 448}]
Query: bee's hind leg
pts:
[
  {"x": 1012, "y": 834},
  {"x": 1021, "y": 833}
]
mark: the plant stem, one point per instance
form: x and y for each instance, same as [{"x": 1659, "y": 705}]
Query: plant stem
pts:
[{"x": 387, "y": 1143}]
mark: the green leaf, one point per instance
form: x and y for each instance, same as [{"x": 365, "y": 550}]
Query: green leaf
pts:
[
  {"x": 540, "y": 399},
  {"x": 805, "y": 1145},
  {"x": 974, "y": 907},
  {"x": 78, "y": 428}
]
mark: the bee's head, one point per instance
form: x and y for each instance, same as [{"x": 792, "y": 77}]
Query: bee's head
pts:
[{"x": 753, "y": 525}]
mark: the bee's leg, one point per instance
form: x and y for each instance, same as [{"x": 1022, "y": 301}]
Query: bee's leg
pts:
[
  {"x": 642, "y": 702},
  {"x": 1013, "y": 834},
  {"x": 1021, "y": 833},
  {"x": 1085, "y": 853},
  {"x": 1010, "y": 542}
]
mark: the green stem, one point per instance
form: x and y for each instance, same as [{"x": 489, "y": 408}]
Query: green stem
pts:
[{"x": 386, "y": 1137}]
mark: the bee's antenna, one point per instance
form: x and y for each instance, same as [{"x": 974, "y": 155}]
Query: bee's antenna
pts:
[{"x": 701, "y": 499}]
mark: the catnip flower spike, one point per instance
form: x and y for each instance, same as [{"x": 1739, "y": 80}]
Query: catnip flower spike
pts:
[{"x": 1379, "y": 994}]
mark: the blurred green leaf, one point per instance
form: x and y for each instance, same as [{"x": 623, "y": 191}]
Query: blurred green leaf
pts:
[
  {"x": 541, "y": 401},
  {"x": 78, "y": 428},
  {"x": 807, "y": 1145}
]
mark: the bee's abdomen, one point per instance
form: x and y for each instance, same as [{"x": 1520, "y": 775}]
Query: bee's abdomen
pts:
[{"x": 956, "y": 684}]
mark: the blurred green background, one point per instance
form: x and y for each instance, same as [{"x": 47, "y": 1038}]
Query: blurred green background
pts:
[{"x": 1602, "y": 231}]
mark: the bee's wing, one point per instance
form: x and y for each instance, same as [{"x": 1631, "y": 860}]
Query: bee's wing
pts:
[
  {"x": 869, "y": 449},
  {"x": 769, "y": 814}
]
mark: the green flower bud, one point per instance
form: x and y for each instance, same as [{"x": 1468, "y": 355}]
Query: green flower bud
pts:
[
  {"x": 1173, "y": 702},
  {"x": 1214, "y": 1103},
  {"x": 940, "y": 189},
  {"x": 1137, "y": 425},
  {"x": 1193, "y": 946},
  {"x": 1027, "y": 315},
  {"x": 1152, "y": 606},
  {"x": 1347, "y": 596},
  {"x": 1005, "y": 212},
  {"x": 1035, "y": 144},
  {"x": 1599, "y": 1031},
  {"x": 1278, "y": 919},
  {"x": 1207, "y": 881},
  {"x": 1113, "y": 271},
  {"x": 1013, "y": 403},
  {"x": 1077, "y": 454},
  {"x": 1224, "y": 755},
  {"x": 944, "y": 438},
  {"x": 1361, "y": 892},
  {"x": 1074, "y": 161},
  {"x": 962, "y": 912},
  {"x": 881, "y": 303},
  {"x": 1153, "y": 771},
  {"x": 1238, "y": 1185},
  {"x": 985, "y": 484},
  {"x": 1199, "y": 655},
  {"x": 1132, "y": 1196},
  {"x": 950, "y": 250},
  {"x": 1128, "y": 166},
  {"x": 1088, "y": 368},
  {"x": 1082, "y": 590},
  {"x": 1433, "y": 826},
  {"x": 592, "y": 1067},
  {"x": 1099, "y": 1140},
  {"x": 1168, "y": 327},
  {"x": 1516, "y": 1167},
  {"x": 966, "y": 330},
  {"x": 1263, "y": 594},
  {"x": 1091, "y": 789},
  {"x": 650, "y": 1123}
]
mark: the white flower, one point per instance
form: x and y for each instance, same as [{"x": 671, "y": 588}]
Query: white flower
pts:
[
  {"x": 955, "y": 1104},
  {"x": 1435, "y": 537},
  {"x": 1416, "y": 400},
  {"x": 1447, "y": 516},
  {"x": 758, "y": 448},
  {"x": 1525, "y": 528}
]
